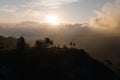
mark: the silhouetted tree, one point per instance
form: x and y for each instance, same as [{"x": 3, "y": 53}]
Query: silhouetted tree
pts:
[
  {"x": 48, "y": 42},
  {"x": 21, "y": 44},
  {"x": 44, "y": 43},
  {"x": 39, "y": 44},
  {"x": 64, "y": 46},
  {"x": 70, "y": 43},
  {"x": 74, "y": 44}
]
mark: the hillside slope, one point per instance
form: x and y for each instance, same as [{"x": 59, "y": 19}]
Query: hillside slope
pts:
[{"x": 52, "y": 64}]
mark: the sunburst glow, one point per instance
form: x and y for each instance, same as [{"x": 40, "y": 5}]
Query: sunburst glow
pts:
[{"x": 54, "y": 20}]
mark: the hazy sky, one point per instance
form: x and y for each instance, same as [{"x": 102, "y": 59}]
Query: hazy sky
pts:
[
  {"x": 68, "y": 11},
  {"x": 100, "y": 37}
]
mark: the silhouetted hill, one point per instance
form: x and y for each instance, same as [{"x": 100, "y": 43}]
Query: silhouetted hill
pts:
[{"x": 52, "y": 64}]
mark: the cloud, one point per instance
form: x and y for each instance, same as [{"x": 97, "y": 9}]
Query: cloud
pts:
[
  {"x": 51, "y": 3},
  {"x": 8, "y": 9},
  {"x": 17, "y": 15},
  {"x": 108, "y": 19},
  {"x": 41, "y": 30},
  {"x": 32, "y": 13}
]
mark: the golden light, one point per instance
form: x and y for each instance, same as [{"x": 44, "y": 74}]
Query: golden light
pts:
[{"x": 54, "y": 20}]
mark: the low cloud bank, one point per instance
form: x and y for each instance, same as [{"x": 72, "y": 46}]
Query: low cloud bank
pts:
[{"x": 108, "y": 19}]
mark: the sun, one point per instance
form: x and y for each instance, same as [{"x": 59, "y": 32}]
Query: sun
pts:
[{"x": 54, "y": 20}]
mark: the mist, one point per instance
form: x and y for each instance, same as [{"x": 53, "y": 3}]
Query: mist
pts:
[
  {"x": 107, "y": 22},
  {"x": 98, "y": 44},
  {"x": 108, "y": 19}
]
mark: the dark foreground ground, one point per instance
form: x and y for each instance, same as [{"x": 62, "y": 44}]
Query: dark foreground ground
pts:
[{"x": 52, "y": 64}]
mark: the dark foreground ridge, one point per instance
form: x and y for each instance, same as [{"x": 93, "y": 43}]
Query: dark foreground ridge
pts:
[{"x": 52, "y": 64}]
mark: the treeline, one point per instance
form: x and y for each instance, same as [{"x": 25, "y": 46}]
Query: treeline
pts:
[
  {"x": 40, "y": 44},
  {"x": 21, "y": 44},
  {"x": 7, "y": 43}
]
